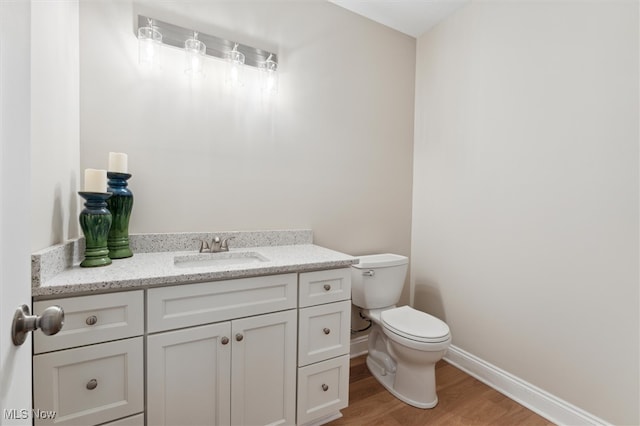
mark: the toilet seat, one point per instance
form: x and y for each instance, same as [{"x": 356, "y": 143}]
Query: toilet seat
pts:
[{"x": 415, "y": 325}]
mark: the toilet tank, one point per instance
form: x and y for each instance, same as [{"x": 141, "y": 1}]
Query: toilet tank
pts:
[{"x": 377, "y": 281}]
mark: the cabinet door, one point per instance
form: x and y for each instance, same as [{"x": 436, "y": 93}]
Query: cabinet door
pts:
[
  {"x": 188, "y": 376},
  {"x": 263, "y": 373}
]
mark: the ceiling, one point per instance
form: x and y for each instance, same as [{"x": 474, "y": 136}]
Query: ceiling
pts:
[{"x": 412, "y": 17}]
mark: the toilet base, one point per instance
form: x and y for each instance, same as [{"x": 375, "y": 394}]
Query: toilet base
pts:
[{"x": 387, "y": 378}]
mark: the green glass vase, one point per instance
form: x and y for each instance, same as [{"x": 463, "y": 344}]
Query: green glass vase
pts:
[{"x": 95, "y": 221}]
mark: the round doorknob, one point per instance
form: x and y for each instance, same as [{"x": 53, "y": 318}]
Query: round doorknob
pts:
[
  {"x": 326, "y": 330},
  {"x": 224, "y": 340},
  {"x": 50, "y": 322},
  {"x": 325, "y": 387},
  {"x": 92, "y": 320},
  {"x": 239, "y": 337},
  {"x": 92, "y": 384},
  {"x": 327, "y": 287}
]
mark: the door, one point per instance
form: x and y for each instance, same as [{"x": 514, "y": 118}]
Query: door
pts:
[
  {"x": 15, "y": 274},
  {"x": 263, "y": 370},
  {"x": 189, "y": 376}
]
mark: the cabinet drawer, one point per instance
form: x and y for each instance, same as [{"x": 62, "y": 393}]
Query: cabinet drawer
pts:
[
  {"x": 129, "y": 421},
  {"x": 92, "y": 319},
  {"x": 324, "y": 332},
  {"x": 90, "y": 385},
  {"x": 327, "y": 286},
  {"x": 323, "y": 388},
  {"x": 196, "y": 304}
]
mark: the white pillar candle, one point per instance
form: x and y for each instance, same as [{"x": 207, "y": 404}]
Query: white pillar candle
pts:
[
  {"x": 95, "y": 180},
  {"x": 118, "y": 162}
]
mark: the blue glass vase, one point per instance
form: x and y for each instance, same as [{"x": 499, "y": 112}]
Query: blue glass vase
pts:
[{"x": 120, "y": 204}]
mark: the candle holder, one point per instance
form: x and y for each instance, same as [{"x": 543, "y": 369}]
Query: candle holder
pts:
[
  {"x": 95, "y": 221},
  {"x": 120, "y": 205}
]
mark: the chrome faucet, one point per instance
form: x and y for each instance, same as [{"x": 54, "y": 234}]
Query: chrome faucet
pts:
[{"x": 217, "y": 245}]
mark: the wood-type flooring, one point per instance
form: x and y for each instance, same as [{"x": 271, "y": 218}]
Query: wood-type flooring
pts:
[{"x": 462, "y": 400}]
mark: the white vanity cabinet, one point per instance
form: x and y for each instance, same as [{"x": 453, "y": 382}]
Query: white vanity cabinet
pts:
[
  {"x": 264, "y": 350},
  {"x": 91, "y": 372},
  {"x": 323, "y": 345},
  {"x": 240, "y": 369}
]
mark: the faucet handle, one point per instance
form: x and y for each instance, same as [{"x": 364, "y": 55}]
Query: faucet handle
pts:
[
  {"x": 225, "y": 243},
  {"x": 204, "y": 246}
]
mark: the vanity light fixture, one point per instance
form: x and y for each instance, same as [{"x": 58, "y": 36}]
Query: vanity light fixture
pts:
[
  {"x": 235, "y": 63},
  {"x": 152, "y": 33},
  {"x": 149, "y": 42},
  {"x": 194, "y": 54},
  {"x": 269, "y": 75}
]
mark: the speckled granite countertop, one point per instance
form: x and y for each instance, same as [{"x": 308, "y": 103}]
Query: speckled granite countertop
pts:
[{"x": 56, "y": 271}]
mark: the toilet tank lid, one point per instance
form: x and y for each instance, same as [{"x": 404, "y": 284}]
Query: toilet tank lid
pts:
[{"x": 380, "y": 261}]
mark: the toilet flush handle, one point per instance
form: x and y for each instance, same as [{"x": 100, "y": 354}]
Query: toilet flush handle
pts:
[{"x": 369, "y": 273}]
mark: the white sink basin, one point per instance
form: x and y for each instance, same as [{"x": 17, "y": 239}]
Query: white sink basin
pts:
[{"x": 201, "y": 260}]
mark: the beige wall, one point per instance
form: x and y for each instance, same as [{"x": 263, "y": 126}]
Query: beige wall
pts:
[
  {"x": 525, "y": 208},
  {"x": 332, "y": 152},
  {"x": 55, "y": 128},
  {"x": 525, "y": 201}
]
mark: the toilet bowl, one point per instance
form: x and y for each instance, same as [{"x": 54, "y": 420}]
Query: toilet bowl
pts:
[{"x": 404, "y": 343}]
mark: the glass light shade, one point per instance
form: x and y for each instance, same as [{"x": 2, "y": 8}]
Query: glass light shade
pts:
[
  {"x": 235, "y": 65},
  {"x": 269, "y": 76},
  {"x": 149, "y": 42},
  {"x": 194, "y": 56}
]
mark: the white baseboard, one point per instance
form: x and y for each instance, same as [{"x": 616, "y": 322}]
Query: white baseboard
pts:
[
  {"x": 359, "y": 346},
  {"x": 537, "y": 400}
]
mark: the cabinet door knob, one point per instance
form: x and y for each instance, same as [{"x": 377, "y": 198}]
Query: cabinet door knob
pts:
[
  {"x": 239, "y": 337},
  {"x": 327, "y": 287},
  {"x": 92, "y": 320},
  {"x": 224, "y": 340},
  {"x": 92, "y": 384},
  {"x": 325, "y": 387},
  {"x": 326, "y": 330}
]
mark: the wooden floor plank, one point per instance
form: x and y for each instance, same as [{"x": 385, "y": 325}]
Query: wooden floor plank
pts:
[{"x": 462, "y": 400}]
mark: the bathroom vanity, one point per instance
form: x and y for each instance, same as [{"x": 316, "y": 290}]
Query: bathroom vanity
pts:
[{"x": 148, "y": 341}]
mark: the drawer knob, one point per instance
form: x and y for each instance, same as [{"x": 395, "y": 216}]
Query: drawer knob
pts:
[
  {"x": 325, "y": 387},
  {"x": 239, "y": 337},
  {"x": 326, "y": 330},
  {"x": 224, "y": 340},
  {"x": 92, "y": 320},
  {"x": 92, "y": 384},
  {"x": 327, "y": 287}
]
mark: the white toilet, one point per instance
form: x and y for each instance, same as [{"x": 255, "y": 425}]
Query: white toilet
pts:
[{"x": 404, "y": 343}]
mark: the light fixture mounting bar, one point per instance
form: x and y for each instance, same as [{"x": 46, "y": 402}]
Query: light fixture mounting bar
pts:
[{"x": 174, "y": 35}]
